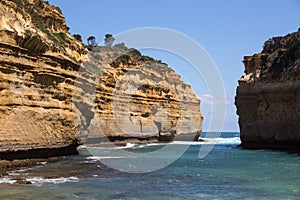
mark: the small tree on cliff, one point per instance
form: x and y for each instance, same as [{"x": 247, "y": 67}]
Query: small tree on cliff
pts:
[
  {"x": 78, "y": 37},
  {"x": 92, "y": 41},
  {"x": 109, "y": 40}
]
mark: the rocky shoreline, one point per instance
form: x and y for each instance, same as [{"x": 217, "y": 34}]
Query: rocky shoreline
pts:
[
  {"x": 36, "y": 153},
  {"x": 7, "y": 166}
]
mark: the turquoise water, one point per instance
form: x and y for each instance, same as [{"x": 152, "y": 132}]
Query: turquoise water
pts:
[{"x": 227, "y": 172}]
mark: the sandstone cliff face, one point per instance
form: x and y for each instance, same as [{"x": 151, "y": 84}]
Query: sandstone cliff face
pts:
[
  {"x": 139, "y": 97},
  {"x": 39, "y": 61},
  {"x": 52, "y": 94},
  {"x": 268, "y": 96}
]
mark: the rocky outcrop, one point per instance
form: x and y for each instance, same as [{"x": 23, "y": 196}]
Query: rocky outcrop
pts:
[
  {"x": 268, "y": 96},
  {"x": 139, "y": 97},
  {"x": 53, "y": 95},
  {"x": 39, "y": 62}
]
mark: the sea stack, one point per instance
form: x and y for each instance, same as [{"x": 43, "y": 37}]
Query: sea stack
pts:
[{"x": 268, "y": 96}]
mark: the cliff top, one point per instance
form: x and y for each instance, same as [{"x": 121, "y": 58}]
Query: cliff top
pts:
[
  {"x": 279, "y": 59},
  {"x": 38, "y": 28},
  {"x": 122, "y": 57}
]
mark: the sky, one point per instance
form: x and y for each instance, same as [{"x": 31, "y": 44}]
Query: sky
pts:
[{"x": 227, "y": 31}]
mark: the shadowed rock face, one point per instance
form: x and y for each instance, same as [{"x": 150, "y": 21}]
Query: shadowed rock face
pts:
[
  {"x": 49, "y": 100},
  {"x": 268, "y": 96}
]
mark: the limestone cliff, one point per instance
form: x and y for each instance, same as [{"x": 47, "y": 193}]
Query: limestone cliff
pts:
[
  {"x": 139, "y": 97},
  {"x": 53, "y": 92},
  {"x": 39, "y": 61},
  {"x": 268, "y": 96}
]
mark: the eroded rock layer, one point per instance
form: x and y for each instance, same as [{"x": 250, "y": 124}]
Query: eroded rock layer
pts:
[
  {"x": 139, "y": 97},
  {"x": 39, "y": 61},
  {"x": 268, "y": 96}
]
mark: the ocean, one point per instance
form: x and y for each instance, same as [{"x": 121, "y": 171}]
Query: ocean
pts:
[{"x": 226, "y": 172}]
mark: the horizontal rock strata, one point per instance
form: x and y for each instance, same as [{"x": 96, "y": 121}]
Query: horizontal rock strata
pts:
[
  {"x": 268, "y": 96},
  {"x": 53, "y": 95},
  {"x": 139, "y": 97},
  {"x": 39, "y": 62}
]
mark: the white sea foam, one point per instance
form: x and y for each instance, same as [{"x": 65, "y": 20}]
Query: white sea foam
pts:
[
  {"x": 116, "y": 152},
  {"x": 104, "y": 157},
  {"x": 212, "y": 141},
  {"x": 6, "y": 180},
  {"x": 128, "y": 145},
  {"x": 90, "y": 161},
  {"x": 13, "y": 173},
  {"x": 224, "y": 141},
  {"x": 40, "y": 181},
  {"x": 42, "y": 163}
]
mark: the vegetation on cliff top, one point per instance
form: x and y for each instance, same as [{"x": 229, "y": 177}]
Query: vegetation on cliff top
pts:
[
  {"x": 280, "y": 56},
  {"x": 25, "y": 8},
  {"x": 126, "y": 56}
]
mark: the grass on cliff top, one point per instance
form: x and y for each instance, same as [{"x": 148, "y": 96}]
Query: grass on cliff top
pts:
[
  {"x": 116, "y": 55},
  {"x": 122, "y": 54}
]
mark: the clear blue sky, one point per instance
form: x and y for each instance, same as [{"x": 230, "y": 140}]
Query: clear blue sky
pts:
[{"x": 228, "y": 30}]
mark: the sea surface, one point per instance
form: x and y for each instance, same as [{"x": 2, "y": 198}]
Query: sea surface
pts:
[{"x": 226, "y": 172}]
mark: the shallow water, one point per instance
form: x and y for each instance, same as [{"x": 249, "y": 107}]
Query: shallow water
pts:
[{"x": 227, "y": 172}]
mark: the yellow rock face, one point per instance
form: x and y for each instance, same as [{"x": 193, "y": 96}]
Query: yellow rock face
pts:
[
  {"x": 53, "y": 94},
  {"x": 39, "y": 61},
  {"x": 139, "y": 97}
]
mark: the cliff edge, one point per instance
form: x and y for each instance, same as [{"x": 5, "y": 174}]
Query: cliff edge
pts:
[{"x": 268, "y": 96}]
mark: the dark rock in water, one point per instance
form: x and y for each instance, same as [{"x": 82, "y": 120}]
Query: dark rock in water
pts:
[
  {"x": 39, "y": 153},
  {"x": 268, "y": 96},
  {"x": 21, "y": 181},
  {"x": 6, "y": 165},
  {"x": 196, "y": 138}
]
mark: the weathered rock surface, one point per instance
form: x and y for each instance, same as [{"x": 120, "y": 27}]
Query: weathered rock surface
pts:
[
  {"x": 39, "y": 61},
  {"x": 49, "y": 101},
  {"x": 139, "y": 97},
  {"x": 268, "y": 96}
]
